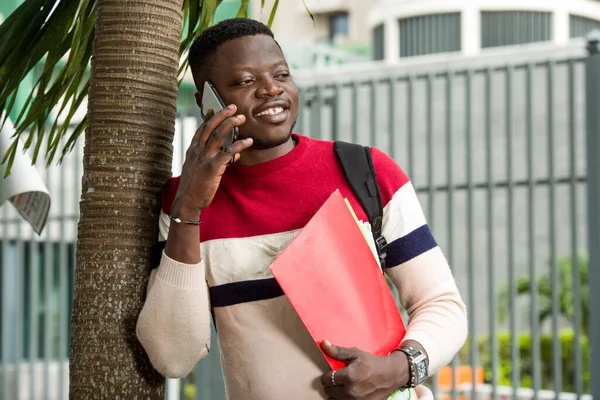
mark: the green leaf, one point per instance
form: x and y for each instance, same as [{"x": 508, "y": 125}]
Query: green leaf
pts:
[
  {"x": 75, "y": 106},
  {"x": 11, "y": 23},
  {"x": 44, "y": 41},
  {"x": 78, "y": 90},
  {"x": 40, "y": 125},
  {"x": 65, "y": 83},
  {"x": 310, "y": 14},
  {"x": 41, "y": 105},
  {"x": 273, "y": 11},
  {"x": 25, "y": 108},
  {"x": 243, "y": 10},
  {"x": 21, "y": 42},
  {"x": 9, "y": 106},
  {"x": 73, "y": 138},
  {"x": 205, "y": 11},
  {"x": 57, "y": 135},
  {"x": 182, "y": 69},
  {"x": 208, "y": 12},
  {"x": 10, "y": 156},
  {"x": 20, "y": 24},
  {"x": 195, "y": 11}
]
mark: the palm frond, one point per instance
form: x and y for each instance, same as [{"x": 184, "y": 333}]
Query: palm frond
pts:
[
  {"x": 53, "y": 39},
  {"x": 273, "y": 11},
  {"x": 57, "y": 35}
]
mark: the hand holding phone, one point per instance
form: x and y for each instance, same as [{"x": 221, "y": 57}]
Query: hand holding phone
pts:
[{"x": 206, "y": 161}]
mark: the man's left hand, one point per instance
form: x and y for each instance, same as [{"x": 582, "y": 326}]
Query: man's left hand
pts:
[{"x": 365, "y": 376}]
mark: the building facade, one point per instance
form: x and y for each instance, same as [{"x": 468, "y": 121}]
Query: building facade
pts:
[
  {"x": 405, "y": 28},
  {"x": 394, "y": 29}
]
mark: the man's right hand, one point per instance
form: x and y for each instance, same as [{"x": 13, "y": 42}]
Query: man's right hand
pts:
[{"x": 205, "y": 162}]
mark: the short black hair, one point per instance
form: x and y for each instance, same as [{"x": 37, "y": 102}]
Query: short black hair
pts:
[{"x": 204, "y": 48}]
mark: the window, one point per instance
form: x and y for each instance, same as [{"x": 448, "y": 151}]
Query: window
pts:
[
  {"x": 581, "y": 26},
  {"x": 378, "y": 42},
  {"x": 430, "y": 34},
  {"x": 505, "y": 28},
  {"x": 338, "y": 25}
]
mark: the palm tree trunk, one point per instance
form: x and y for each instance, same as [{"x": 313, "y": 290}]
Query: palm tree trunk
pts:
[{"x": 127, "y": 159}]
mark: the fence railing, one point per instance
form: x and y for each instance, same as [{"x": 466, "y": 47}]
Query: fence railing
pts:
[
  {"x": 593, "y": 191},
  {"x": 496, "y": 147}
]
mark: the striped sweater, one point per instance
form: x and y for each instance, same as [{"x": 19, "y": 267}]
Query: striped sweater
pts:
[{"x": 267, "y": 354}]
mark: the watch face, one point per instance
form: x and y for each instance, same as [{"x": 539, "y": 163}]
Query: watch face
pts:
[{"x": 422, "y": 371}]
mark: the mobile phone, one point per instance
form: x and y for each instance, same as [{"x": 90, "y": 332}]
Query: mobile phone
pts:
[{"x": 212, "y": 101}]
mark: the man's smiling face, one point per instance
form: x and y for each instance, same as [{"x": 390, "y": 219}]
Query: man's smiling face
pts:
[{"x": 252, "y": 73}]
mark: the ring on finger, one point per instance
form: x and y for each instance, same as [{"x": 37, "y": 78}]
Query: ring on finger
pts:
[
  {"x": 226, "y": 149},
  {"x": 333, "y": 378}
]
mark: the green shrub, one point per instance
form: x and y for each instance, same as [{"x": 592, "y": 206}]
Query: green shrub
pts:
[
  {"x": 566, "y": 289},
  {"x": 525, "y": 360}
]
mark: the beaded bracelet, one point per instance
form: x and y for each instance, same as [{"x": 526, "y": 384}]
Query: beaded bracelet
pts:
[{"x": 179, "y": 221}]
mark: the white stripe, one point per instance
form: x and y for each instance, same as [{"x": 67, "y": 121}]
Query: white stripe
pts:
[
  {"x": 242, "y": 259},
  {"x": 403, "y": 214}
]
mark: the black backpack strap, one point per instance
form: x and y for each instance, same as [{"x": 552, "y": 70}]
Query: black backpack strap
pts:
[{"x": 359, "y": 171}]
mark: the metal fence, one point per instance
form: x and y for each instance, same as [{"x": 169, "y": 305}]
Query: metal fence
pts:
[
  {"x": 496, "y": 147},
  {"x": 36, "y": 280}
]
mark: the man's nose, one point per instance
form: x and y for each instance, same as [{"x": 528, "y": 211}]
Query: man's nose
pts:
[{"x": 269, "y": 88}]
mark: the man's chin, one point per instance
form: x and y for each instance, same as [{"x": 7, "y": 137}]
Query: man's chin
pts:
[
  {"x": 269, "y": 141},
  {"x": 265, "y": 143}
]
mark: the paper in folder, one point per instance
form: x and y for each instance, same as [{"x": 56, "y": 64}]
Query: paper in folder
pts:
[{"x": 332, "y": 279}]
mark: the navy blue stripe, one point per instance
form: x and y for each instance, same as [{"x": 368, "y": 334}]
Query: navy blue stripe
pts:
[
  {"x": 230, "y": 294},
  {"x": 410, "y": 246}
]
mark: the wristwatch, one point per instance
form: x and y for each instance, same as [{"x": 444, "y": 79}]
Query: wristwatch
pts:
[{"x": 418, "y": 365}]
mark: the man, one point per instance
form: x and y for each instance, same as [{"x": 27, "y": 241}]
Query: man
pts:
[{"x": 249, "y": 211}]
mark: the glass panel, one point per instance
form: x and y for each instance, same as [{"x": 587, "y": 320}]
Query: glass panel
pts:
[
  {"x": 581, "y": 26},
  {"x": 430, "y": 34},
  {"x": 505, "y": 28}
]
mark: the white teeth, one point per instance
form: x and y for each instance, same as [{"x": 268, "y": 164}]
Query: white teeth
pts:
[{"x": 270, "y": 111}]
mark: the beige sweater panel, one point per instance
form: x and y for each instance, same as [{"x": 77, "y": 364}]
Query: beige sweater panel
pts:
[{"x": 174, "y": 324}]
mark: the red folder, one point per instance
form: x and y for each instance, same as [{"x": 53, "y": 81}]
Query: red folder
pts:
[{"x": 331, "y": 278}]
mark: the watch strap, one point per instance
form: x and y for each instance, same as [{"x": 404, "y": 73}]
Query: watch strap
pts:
[{"x": 418, "y": 366}]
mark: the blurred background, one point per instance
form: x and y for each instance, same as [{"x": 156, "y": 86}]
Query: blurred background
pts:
[{"x": 481, "y": 102}]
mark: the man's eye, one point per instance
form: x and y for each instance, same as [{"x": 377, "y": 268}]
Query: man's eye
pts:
[
  {"x": 245, "y": 82},
  {"x": 283, "y": 75}
]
